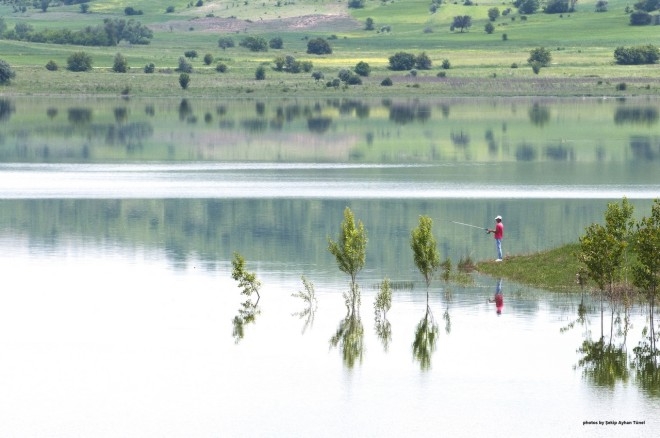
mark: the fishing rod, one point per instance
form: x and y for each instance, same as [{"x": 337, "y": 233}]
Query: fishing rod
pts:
[{"x": 468, "y": 225}]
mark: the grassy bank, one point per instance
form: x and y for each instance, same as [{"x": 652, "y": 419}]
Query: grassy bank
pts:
[
  {"x": 555, "y": 269},
  {"x": 582, "y": 45}
]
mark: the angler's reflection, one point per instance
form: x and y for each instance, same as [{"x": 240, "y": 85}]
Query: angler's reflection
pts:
[{"x": 498, "y": 298}]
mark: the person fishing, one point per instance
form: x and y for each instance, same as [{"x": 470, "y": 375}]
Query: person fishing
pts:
[{"x": 498, "y": 233}]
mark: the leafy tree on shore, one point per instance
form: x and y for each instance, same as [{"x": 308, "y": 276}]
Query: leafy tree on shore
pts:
[
  {"x": 319, "y": 46},
  {"x": 461, "y": 22},
  {"x": 79, "y": 61},
  {"x": 540, "y": 56},
  {"x": 402, "y": 61},
  {"x": 648, "y": 54},
  {"x": 254, "y": 44},
  {"x": 120, "y": 64},
  {"x": 6, "y": 73}
]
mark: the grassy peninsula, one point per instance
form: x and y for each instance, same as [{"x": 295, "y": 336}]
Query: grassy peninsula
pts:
[
  {"x": 468, "y": 61},
  {"x": 554, "y": 269}
]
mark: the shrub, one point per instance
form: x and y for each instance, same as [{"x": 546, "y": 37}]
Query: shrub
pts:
[
  {"x": 132, "y": 11},
  {"x": 221, "y": 67},
  {"x": 120, "y": 65},
  {"x": 362, "y": 68},
  {"x": 192, "y": 54},
  {"x": 260, "y": 73},
  {"x": 84, "y": 8},
  {"x": 169, "y": 9},
  {"x": 402, "y": 61},
  {"x": 636, "y": 55},
  {"x": 317, "y": 75},
  {"x": 540, "y": 55},
  {"x": 356, "y": 4},
  {"x": 536, "y": 67},
  {"x": 446, "y": 64},
  {"x": 387, "y": 82},
  {"x": 489, "y": 28},
  {"x": 275, "y": 43},
  {"x": 184, "y": 66},
  {"x": 527, "y": 6},
  {"x": 184, "y": 80},
  {"x": 621, "y": 86},
  {"x": 6, "y": 72},
  {"x": 208, "y": 59},
  {"x": 556, "y": 7},
  {"x": 493, "y": 14},
  {"x": 442, "y": 74},
  {"x": 369, "y": 24},
  {"x": 79, "y": 61},
  {"x": 306, "y": 66},
  {"x": 225, "y": 42},
  {"x": 149, "y": 68},
  {"x": 423, "y": 62},
  {"x": 51, "y": 65},
  {"x": 318, "y": 46},
  {"x": 640, "y": 18},
  {"x": 254, "y": 44}
]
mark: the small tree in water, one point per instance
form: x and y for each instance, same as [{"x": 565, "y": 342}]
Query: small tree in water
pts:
[
  {"x": 425, "y": 251},
  {"x": 247, "y": 281},
  {"x": 646, "y": 274},
  {"x": 350, "y": 250}
]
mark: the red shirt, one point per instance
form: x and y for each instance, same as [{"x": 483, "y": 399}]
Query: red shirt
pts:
[{"x": 499, "y": 230}]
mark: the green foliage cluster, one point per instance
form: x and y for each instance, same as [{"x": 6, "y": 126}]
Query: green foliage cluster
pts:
[
  {"x": 6, "y": 72},
  {"x": 254, "y": 44},
  {"x": 79, "y": 61},
  {"x": 247, "y": 281},
  {"x": 648, "y": 54},
  {"x": 110, "y": 33},
  {"x": 424, "y": 247},
  {"x": 350, "y": 249},
  {"x": 539, "y": 56},
  {"x": 290, "y": 64},
  {"x": 318, "y": 46},
  {"x": 120, "y": 64},
  {"x": 402, "y": 61}
]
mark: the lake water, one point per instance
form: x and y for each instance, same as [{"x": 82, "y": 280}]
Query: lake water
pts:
[{"x": 119, "y": 219}]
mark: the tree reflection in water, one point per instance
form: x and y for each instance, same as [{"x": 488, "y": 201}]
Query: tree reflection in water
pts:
[
  {"x": 350, "y": 333},
  {"x": 247, "y": 314},
  {"x": 603, "y": 364},
  {"x": 426, "y": 336},
  {"x": 309, "y": 299}
]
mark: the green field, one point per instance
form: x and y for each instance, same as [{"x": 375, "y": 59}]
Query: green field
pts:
[{"x": 581, "y": 43}]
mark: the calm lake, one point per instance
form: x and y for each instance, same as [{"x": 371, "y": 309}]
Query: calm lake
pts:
[{"x": 119, "y": 219}]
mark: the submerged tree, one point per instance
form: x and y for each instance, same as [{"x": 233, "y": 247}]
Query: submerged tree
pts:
[
  {"x": 249, "y": 284},
  {"x": 425, "y": 251},
  {"x": 247, "y": 281},
  {"x": 350, "y": 251},
  {"x": 646, "y": 274}
]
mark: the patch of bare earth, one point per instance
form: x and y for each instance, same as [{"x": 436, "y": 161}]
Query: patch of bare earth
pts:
[{"x": 313, "y": 22}]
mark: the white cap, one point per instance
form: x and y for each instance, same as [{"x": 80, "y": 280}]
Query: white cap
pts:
[{"x": 498, "y": 218}]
